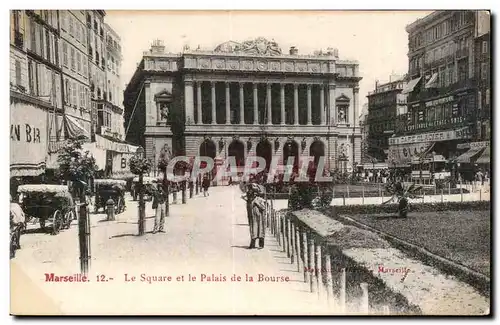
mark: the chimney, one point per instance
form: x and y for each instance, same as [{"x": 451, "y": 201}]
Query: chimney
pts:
[
  {"x": 376, "y": 84},
  {"x": 294, "y": 50},
  {"x": 157, "y": 47},
  {"x": 336, "y": 53}
]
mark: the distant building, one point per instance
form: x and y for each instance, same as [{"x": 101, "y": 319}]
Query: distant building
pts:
[
  {"x": 246, "y": 99},
  {"x": 443, "y": 107},
  {"x": 385, "y": 103}
]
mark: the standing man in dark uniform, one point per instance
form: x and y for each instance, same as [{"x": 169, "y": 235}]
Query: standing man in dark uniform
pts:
[{"x": 256, "y": 213}]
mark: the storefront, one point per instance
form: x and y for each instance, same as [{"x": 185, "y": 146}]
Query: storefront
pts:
[
  {"x": 117, "y": 156},
  {"x": 28, "y": 139},
  {"x": 474, "y": 156}
]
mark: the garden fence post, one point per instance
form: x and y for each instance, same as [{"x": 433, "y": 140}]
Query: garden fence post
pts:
[
  {"x": 319, "y": 271},
  {"x": 292, "y": 242},
  {"x": 343, "y": 198},
  {"x": 304, "y": 253},
  {"x": 480, "y": 194},
  {"x": 449, "y": 188},
  {"x": 435, "y": 188},
  {"x": 363, "y": 194},
  {"x": 364, "y": 300},
  {"x": 379, "y": 191},
  {"x": 442, "y": 198},
  {"x": 297, "y": 246},
  {"x": 342, "y": 290},
  {"x": 312, "y": 268},
  {"x": 347, "y": 190},
  {"x": 282, "y": 232},
  {"x": 329, "y": 279},
  {"x": 422, "y": 193}
]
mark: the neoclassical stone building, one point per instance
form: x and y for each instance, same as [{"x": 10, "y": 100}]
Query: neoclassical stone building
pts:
[{"x": 245, "y": 99}]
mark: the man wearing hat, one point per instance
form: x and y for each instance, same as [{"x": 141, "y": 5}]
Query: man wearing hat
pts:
[
  {"x": 256, "y": 212},
  {"x": 159, "y": 200}
]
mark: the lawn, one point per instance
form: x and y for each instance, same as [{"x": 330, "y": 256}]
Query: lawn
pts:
[{"x": 461, "y": 236}]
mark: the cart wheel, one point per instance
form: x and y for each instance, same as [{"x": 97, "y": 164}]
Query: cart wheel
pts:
[
  {"x": 57, "y": 222},
  {"x": 68, "y": 218}
]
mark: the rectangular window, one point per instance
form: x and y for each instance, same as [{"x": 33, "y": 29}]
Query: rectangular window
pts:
[
  {"x": 65, "y": 54},
  {"x": 74, "y": 94},
  {"x": 487, "y": 97},
  {"x": 71, "y": 25},
  {"x": 484, "y": 70},
  {"x": 73, "y": 59},
  {"x": 85, "y": 67},
  {"x": 77, "y": 31},
  {"x": 47, "y": 45},
  {"x": 82, "y": 96},
  {"x": 479, "y": 101},
  {"x": 79, "y": 62},
  {"x": 17, "y": 68},
  {"x": 484, "y": 49}
]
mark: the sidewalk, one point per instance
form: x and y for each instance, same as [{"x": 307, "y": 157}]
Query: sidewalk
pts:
[{"x": 207, "y": 238}]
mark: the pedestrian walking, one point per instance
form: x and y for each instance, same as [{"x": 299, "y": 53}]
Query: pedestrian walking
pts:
[
  {"x": 159, "y": 199},
  {"x": 205, "y": 184}
]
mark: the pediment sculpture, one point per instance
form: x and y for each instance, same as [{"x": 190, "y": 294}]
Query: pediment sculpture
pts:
[{"x": 260, "y": 46}]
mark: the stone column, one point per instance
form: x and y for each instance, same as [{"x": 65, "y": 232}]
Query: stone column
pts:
[
  {"x": 355, "y": 103},
  {"x": 295, "y": 104},
  {"x": 331, "y": 104},
  {"x": 242, "y": 103},
  {"x": 322, "y": 103},
  {"x": 198, "y": 103},
  {"x": 189, "y": 101},
  {"x": 269, "y": 105},
  {"x": 214, "y": 113},
  {"x": 282, "y": 102},
  {"x": 309, "y": 105},
  {"x": 228, "y": 103},
  {"x": 255, "y": 104}
]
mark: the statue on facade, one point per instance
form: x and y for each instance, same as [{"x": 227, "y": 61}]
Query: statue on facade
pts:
[
  {"x": 260, "y": 46},
  {"x": 342, "y": 115},
  {"x": 164, "y": 110}
]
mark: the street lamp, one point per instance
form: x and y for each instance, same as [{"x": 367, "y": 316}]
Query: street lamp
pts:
[{"x": 142, "y": 213}]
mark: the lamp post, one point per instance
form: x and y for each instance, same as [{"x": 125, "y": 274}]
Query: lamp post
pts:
[{"x": 142, "y": 212}]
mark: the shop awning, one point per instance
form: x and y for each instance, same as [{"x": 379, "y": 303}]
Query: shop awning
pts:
[
  {"x": 19, "y": 170},
  {"x": 485, "y": 157},
  {"x": 470, "y": 156},
  {"x": 432, "y": 83},
  {"x": 411, "y": 85},
  {"x": 74, "y": 128}
]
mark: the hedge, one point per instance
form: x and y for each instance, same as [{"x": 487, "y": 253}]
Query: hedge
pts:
[{"x": 414, "y": 207}]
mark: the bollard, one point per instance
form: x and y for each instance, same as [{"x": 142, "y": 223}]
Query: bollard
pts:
[
  {"x": 287, "y": 229},
  {"x": 110, "y": 210},
  {"x": 343, "y": 198},
  {"x": 363, "y": 194},
  {"x": 365, "y": 307},
  {"x": 190, "y": 190},
  {"x": 480, "y": 194},
  {"x": 442, "y": 199},
  {"x": 282, "y": 232},
  {"x": 347, "y": 190},
  {"x": 423, "y": 195},
  {"x": 174, "y": 196},
  {"x": 461, "y": 193},
  {"x": 449, "y": 188}
]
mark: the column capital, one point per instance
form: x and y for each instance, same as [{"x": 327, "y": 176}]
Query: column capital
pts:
[
  {"x": 295, "y": 85},
  {"x": 188, "y": 82},
  {"x": 356, "y": 89},
  {"x": 332, "y": 86},
  {"x": 241, "y": 83},
  {"x": 269, "y": 84},
  {"x": 309, "y": 86},
  {"x": 212, "y": 83},
  {"x": 255, "y": 84},
  {"x": 227, "y": 83}
]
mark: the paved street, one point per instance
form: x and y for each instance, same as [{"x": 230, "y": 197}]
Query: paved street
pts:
[{"x": 206, "y": 236}]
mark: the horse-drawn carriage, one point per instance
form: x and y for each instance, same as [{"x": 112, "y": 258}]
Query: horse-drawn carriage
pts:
[
  {"x": 149, "y": 187},
  {"x": 106, "y": 189},
  {"x": 52, "y": 203}
]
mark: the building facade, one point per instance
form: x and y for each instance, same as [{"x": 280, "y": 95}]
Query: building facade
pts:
[
  {"x": 54, "y": 74},
  {"x": 35, "y": 89},
  {"x": 442, "y": 88},
  {"x": 385, "y": 103},
  {"x": 246, "y": 99}
]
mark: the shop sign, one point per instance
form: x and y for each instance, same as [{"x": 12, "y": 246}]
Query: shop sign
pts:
[
  {"x": 28, "y": 135},
  {"x": 439, "y": 101},
  {"x": 402, "y": 154},
  {"x": 473, "y": 145},
  {"x": 462, "y": 133}
]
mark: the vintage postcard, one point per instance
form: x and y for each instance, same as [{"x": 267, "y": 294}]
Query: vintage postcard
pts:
[{"x": 250, "y": 162}]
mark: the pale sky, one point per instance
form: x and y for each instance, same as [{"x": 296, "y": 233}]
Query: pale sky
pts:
[{"x": 376, "y": 39}]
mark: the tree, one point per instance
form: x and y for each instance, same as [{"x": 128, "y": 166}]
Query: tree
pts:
[{"x": 75, "y": 165}]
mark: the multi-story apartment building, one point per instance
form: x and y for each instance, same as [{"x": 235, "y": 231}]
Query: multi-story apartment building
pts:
[
  {"x": 442, "y": 91},
  {"x": 97, "y": 62},
  {"x": 75, "y": 68},
  {"x": 35, "y": 89},
  {"x": 385, "y": 103}
]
